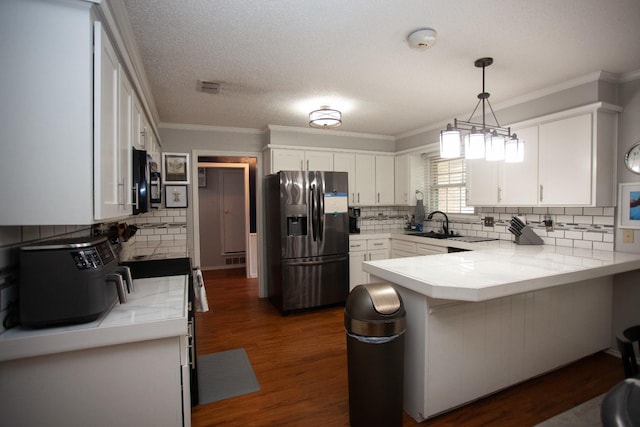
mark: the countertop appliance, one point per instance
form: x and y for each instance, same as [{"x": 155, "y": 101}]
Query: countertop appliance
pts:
[
  {"x": 67, "y": 281},
  {"x": 141, "y": 178},
  {"x": 307, "y": 231},
  {"x": 354, "y": 220}
]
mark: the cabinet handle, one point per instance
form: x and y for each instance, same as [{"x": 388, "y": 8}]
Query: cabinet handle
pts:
[
  {"x": 358, "y": 197},
  {"x": 499, "y": 194},
  {"x": 135, "y": 196},
  {"x": 121, "y": 197},
  {"x": 307, "y": 164},
  {"x": 541, "y": 192},
  {"x": 377, "y": 244},
  {"x": 378, "y": 197},
  {"x": 365, "y": 257}
]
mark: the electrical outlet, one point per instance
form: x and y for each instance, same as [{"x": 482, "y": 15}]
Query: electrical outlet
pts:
[
  {"x": 627, "y": 236},
  {"x": 488, "y": 221}
]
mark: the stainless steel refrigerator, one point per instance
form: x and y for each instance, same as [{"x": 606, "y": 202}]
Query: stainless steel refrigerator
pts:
[{"x": 307, "y": 232}]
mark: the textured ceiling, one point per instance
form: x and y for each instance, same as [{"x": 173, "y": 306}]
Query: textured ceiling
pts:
[{"x": 279, "y": 59}]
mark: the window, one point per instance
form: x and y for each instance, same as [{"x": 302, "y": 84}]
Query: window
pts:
[{"x": 446, "y": 189}]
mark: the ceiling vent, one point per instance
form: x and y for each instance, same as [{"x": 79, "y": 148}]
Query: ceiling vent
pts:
[{"x": 210, "y": 86}]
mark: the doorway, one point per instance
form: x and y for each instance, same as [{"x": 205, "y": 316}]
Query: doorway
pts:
[
  {"x": 222, "y": 214},
  {"x": 209, "y": 235}
]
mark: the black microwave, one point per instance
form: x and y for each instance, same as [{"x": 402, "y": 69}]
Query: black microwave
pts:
[{"x": 140, "y": 184}]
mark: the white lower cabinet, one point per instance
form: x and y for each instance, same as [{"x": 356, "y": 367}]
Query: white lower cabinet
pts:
[
  {"x": 136, "y": 384},
  {"x": 362, "y": 250}
]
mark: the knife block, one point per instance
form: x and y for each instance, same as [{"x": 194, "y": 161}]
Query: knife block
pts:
[{"x": 528, "y": 237}]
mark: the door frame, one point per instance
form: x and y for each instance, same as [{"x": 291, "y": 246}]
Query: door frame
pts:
[{"x": 196, "y": 208}]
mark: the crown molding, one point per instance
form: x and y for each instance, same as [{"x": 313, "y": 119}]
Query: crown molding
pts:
[
  {"x": 293, "y": 129},
  {"x": 208, "y": 128}
]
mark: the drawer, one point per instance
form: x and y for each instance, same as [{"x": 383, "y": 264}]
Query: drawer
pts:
[
  {"x": 357, "y": 245},
  {"x": 377, "y": 244},
  {"x": 399, "y": 253},
  {"x": 423, "y": 249},
  {"x": 403, "y": 245}
]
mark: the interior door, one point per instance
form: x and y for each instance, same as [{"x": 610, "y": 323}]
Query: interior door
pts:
[{"x": 233, "y": 210}]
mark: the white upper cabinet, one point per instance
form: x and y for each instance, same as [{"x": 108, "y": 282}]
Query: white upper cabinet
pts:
[
  {"x": 346, "y": 162},
  {"x": 506, "y": 184},
  {"x": 409, "y": 178},
  {"x": 46, "y": 166},
  {"x": 74, "y": 163},
  {"x": 109, "y": 180},
  {"x": 365, "y": 180},
  {"x": 283, "y": 159},
  {"x": 569, "y": 161},
  {"x": 384, "y": 180}
]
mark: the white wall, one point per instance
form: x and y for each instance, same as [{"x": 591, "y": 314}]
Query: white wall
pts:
[{"x": 626, "y": 290}]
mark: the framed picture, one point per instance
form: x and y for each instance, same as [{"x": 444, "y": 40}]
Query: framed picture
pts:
[
  {"x": 202, "y": 177},
  {"x": 175, "y": 168},
  {"x": 175, "y": 196},
  {"x": 629, "y": 206}
]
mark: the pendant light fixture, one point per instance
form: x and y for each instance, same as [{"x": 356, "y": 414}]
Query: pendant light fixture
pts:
[
  {"x": 491, "y": 142},
  {"x": 325, "y": 118}
]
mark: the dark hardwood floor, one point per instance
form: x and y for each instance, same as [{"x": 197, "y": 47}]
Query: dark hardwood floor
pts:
[{"x": 301, "y": 364}]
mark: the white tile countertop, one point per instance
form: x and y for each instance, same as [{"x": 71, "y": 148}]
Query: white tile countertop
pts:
[
  {"x": 156, "y": 309},
  {"x": 498, "y": 268}
]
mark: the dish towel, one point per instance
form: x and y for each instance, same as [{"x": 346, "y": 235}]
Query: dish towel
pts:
[
  {"x": 202, "y": 305},
  {"x": 419, "y": 215}
]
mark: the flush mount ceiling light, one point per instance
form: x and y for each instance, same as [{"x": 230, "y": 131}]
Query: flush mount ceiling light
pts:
[
  {"x": 325, "y": 118},
  {"x": 491, "y": 142},
  {"x": 422, "y": 39}
]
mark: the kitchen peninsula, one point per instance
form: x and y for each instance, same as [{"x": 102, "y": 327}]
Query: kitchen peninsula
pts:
[{"x": 483, "y": 320}]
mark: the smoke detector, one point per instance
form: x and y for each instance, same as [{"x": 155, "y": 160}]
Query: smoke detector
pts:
[
  {"x": 422, "y": 39},
  {"x": 210, "y": 86}
]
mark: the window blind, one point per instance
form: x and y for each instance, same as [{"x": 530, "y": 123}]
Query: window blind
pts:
[{"x": 446, "y": 186}]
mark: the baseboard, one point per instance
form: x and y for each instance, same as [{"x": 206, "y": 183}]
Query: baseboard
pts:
[{"x": 223, "y": 267}]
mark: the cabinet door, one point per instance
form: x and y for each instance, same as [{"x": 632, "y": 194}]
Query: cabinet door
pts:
[
  {"x": 286, "y": 160},
  {"x": 346, "y": 162},
  {"x": 365, "y": 179},
  {"x": 125, "y": 138},
  {"x": 401, "y": 182},
  {"x": 566, "y": 161},
  {"x": 482, "y": 183},
  {"x": 137, "y": 125},
  {"x": 378, "y": 254},
  {"x": 356, "y": 275},
  {"x": 519, "y": 181},
  {"x": 318, "y": 160},
  {"x": 107, "y": 194},
  {"x": 384, "y": 180}
]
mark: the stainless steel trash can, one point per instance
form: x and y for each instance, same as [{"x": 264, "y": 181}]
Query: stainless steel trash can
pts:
[{"x": 374, "y": 320}]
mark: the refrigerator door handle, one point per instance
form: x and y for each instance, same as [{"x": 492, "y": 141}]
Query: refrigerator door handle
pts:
[
  {"x": 320, "y": 214},
  {"x": 308, "y": 263},
  {"x": 312, "y": 203}
]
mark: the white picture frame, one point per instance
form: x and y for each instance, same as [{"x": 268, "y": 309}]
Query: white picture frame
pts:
[
  {"x": 175, "y": 196},
  {"x": 629, "y": 205},
  {"x": 175, "y": 168}
]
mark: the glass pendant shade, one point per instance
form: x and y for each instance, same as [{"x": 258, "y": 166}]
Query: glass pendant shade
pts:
[
  {"x": 495, "y": 147},
  {"x": 514, "y": 150},
  {"x": 474, "y": 145},
  {"x": 450, "y": 143}
]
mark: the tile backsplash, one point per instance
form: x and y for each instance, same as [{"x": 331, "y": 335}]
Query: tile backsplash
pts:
[{"x": 589, "y": 228}]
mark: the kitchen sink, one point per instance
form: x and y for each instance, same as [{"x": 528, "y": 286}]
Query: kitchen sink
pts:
[
  {"x": 430, "y": 234},
  {"x": 457, "y": 238}
]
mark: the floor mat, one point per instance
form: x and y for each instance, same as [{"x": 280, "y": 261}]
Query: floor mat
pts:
[
  {"x": 584, "y": 415},
  {"x": 225, "y": 374}
]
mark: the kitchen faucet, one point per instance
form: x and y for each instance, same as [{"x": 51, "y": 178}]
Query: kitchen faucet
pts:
[{"x": 445, "y": 225}]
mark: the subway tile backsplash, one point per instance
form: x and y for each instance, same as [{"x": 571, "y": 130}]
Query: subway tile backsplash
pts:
[{"x": 590, "y": 228}]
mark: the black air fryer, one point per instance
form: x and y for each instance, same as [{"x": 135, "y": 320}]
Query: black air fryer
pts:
[{"x": 68, "y": 281}]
